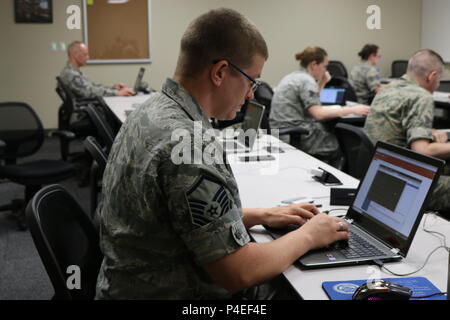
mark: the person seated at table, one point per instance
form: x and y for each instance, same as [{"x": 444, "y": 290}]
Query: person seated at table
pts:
[
  {"x": 365, "y": 77},
  {"x": 403, "y": 112},
  {"x": 79, "y": 84},
  {"x": 175, "y": 229},
  {"x": 296, "y": 103}
]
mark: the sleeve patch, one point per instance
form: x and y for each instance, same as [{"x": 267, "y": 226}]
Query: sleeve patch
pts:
[{"x": 207, "y": 201}]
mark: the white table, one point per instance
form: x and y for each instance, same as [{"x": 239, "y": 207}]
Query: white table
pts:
[
  {"x": 120, "y": 106},
  {"x": 259, "y": 189},
  {"x": 443, "y": 97}
]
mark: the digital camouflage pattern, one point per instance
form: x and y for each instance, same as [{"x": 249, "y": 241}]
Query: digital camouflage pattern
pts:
[
  {"x": 400, "y": 114},
  {"x": 296, "y": 93},
  {"x": 161, "y": 222},
  {"x": 81, "y": 86},
  {"x": 365, "y": 78}
]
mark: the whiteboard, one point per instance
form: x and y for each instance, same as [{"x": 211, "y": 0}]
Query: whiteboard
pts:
[
  {"x": 436, "y": 27},
  {"x": 117, "y": 31}
]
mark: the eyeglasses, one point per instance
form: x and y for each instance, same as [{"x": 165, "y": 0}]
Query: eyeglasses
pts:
[{"x": 255, "y": 83}]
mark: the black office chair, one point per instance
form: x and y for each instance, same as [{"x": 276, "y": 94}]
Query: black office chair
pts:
[
  {"x": 337, "y": 69},
  {"x": 111, "y": 119},
  {"x": 106, "y": 134},
  {"x": 22, "y": 131},
  {"x": 264, "y": 95},
  {"x": 98, "y": 167},
  {"x": 343, "y": 83},
  {"x": 64, "y": 237},
  {"x": 71, "y": 116},
  {"x": 356, "y": 147},
  {"x": 399, "y": 68}
]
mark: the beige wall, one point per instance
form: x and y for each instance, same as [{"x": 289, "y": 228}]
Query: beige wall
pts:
[{"x": 28, "y": 66}]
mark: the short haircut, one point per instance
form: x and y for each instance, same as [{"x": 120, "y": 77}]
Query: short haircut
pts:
[
  {"x": 425, "y": 61},
  {"x": 73, "y": 46},
  {"x": 219, "y": 34},
  {"x": 311, "y": 54},
  {"x": 367, "y": 51}
]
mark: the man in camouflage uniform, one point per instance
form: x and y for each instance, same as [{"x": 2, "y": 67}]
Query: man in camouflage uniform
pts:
[
  {"x": 402, "y": 114},
  {"x": 178, "y": 231},
  {"x": 79, "y": 84}
]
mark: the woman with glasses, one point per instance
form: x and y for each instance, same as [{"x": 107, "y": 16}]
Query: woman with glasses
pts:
[
  {"x": 365, "y": 77},
  {"x": 296, "y": 103}
]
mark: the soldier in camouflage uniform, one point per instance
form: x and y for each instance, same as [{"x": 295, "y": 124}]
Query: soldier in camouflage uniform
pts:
[
  {"x": 402, "y": 114},
  {"x": 178, "y": 231},
  {"x": 296, "y": 103},
  {"x": 365, "y": 77},
  {"x": 79, "y": 84}
]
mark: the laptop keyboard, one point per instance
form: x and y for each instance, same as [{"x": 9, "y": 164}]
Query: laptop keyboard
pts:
[{"x": 358, "y": 247}]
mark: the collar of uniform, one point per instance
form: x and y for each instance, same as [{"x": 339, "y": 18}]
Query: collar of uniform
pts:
[
  {"x": 408, "y": 79},
  {"x": 184, "y": 99},
  {"x": 303, "y": 70},
  {"x": 71, "y": 66}
]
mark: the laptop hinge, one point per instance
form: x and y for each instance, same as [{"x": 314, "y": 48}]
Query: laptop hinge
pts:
[
  {"x": 395, "y": 250},
  {"x": 349, "y": 221}
]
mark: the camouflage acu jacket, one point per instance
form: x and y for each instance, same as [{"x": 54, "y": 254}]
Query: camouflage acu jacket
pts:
[
  {"x": 81, "y": 86},
  {"x": 160, "y": 221}
]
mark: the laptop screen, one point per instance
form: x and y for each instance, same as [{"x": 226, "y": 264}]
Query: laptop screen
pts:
[
  {"x": 252, "y": 121},
  {"x": 137, "y": 83},
  {"x": 391, "y": 197},
  {"x": 253, "y": 116},
  {"x": 332, "y": 96}
]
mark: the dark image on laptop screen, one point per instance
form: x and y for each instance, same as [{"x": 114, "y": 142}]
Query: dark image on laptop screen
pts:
[{"x": 386, "y": 190}]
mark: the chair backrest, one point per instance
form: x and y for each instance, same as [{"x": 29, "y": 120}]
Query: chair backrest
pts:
[
  {"x": 96, "y": 152},
  {"x": 264, "y": 96},
  {"x": 68, "y": 106},
  {"x": 337, "y": 69},
  {"x": 341, "y": 82},
  {"x": 114, "y": 123},
  {"x": 357, "y": 149},
  {"x": 399, "y": 68},
  {"x": 65, "y": 238},
  {"x": 106, "y": 134},
  {"x": 20, "y": 129}
]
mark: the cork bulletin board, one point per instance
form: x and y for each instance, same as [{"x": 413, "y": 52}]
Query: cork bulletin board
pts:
[{"x": 117, "y": 31}]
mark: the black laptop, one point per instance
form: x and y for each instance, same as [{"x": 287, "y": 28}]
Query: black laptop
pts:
[
  {"x": 244, "y": 137},
  {"x": 386, "y": 212}
]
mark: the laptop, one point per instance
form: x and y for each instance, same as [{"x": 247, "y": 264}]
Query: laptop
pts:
[
  {"x": 242, "y": 138},
  {"x": 386, "y": 211},
  {"x": 138, "y": 82},
  {"x": 332, "y": 96}
]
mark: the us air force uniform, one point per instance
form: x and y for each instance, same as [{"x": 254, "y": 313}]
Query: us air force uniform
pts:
[
  {"x": 160, "y": 221},
  {"x": 365, "y": 78},
  {"x": 296, "y": 93},
  {"x": 400, "y": 114},
  {"x": 81, "y": 86}
]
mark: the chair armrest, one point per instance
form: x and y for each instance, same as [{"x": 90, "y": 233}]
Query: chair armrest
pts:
[
  {"x": 291, "y": 131},
  {"x": 63, "y": 134},
  {"x": 85, "y": 102}
]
